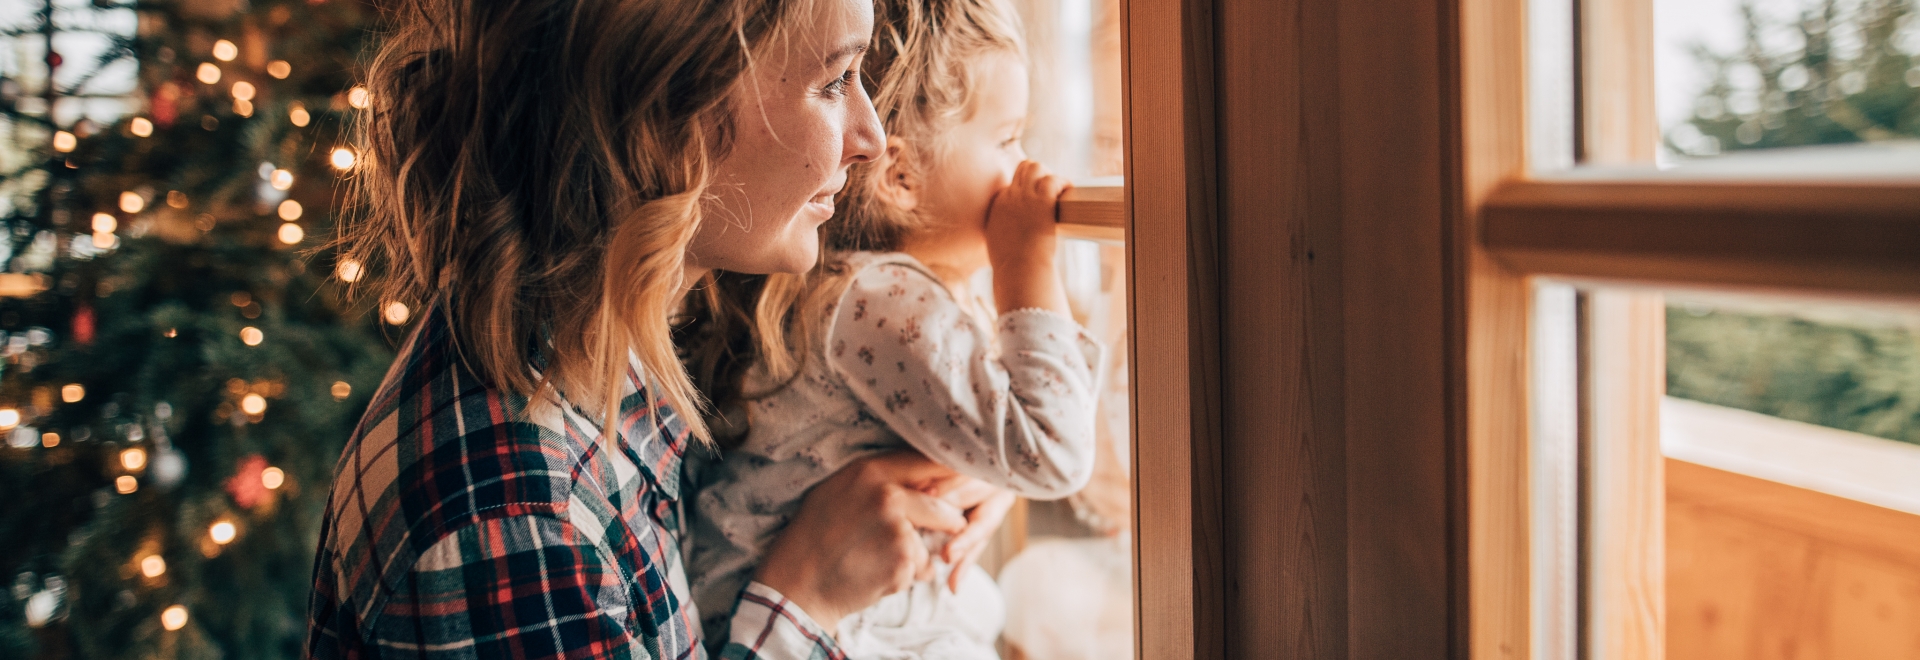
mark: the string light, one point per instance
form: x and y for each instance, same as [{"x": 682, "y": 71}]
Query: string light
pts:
[
  {"x": 126, "y": 484},
  {"x": 207, "y": 73},
  {"x": 273, "y": 478},
  {"x": 397, "y": 313},
  {"x": 281, "y": 179},
  {"x": 243, "y": 90},
  {"x": 225, "y": 51},
  {"x": 298, "y": 114},
  {"x": 291, "y": 233},
  {"x": 49, "y": 439},
  {"x": 72, "y": 392},
  {"x": 243, "y": 108},
  {"x": 341, "y": 158},
  {"x": 174, "y": 618},
  {"x": 252, "y": 336},
  {"x": 9, "y": 418},
  {"x": 290, "y": 210},
  {"x": 64, "y": 142},
  {"x": 341, "y": 390},
  {"x": 133, "y": 459},
  {"x": 279, "y": 69},
  {"x": 359, "y": 97},
  {"x": 176, "y": 199},
  {"x": 153, "y": 566},
  {"x": 105, "y": 222},
  {"x": 253, "y": 404},
  {"x": 222, "y": 532},
  {"x": 348, "y": 270},
  {"x": 103, "y": 240},
  {"x": 132, "y": 202},
  {"x": 141, "y": 126}
]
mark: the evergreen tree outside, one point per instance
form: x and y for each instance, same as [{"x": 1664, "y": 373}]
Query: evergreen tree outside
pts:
[
  {"x": 179, "y": 371},
  {"x": 1850, "y": 73}
]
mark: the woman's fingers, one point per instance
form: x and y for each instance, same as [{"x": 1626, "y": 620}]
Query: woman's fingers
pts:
[{"x": 924, "y": 511}]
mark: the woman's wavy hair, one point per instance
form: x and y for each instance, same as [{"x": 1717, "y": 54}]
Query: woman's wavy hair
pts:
[
  {"x": 922, "y": 71},
  {"x": 534, "y": 169}
]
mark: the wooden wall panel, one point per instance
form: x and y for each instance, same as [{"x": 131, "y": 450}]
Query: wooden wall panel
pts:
[
  {"x": 1764, "y": 571},
  {"x": 1283, "y": 405}
]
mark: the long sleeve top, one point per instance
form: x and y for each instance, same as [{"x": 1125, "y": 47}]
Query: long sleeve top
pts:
[
  {"x": 900, "y": 363},
  {"x": 466, "y": 522}
]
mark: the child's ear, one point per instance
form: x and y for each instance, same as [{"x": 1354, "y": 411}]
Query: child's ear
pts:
[{"x": 899, "y": 185}]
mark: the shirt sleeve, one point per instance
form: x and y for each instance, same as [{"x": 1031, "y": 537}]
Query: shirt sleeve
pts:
[
  {"x": 1018, "y": 413},
  {"x": 513, "y": 587},
  {"x": 767, "y": 626}
]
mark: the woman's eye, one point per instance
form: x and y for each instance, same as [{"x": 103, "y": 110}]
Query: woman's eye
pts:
[{"x": 839, "y": 85}]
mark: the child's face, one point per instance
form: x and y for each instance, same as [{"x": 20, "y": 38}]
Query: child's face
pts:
[
  {"x": 801, "y": 117},
  {"x": 981, "y": 151}
]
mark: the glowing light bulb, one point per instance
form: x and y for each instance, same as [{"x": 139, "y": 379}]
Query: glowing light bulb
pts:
[
  {"x": 132, "y": 202},
  {"x": 140, "y": 126},
  {"x": 298, "y": 114},
  {"x": 49, "y": 439},
  {"x": 279, "y": 69},
  {"x": 291, "y": 233},
  {"x": 222, "y": 532},
  {"x": 243, "y": 90},
  {"x": 253, "y": 404},
  {"x": 252, "y": 336},
  {"x": 341, "y": 390},
  {"x": 348, "y": 270},
  {"x": 359, "y": 97},
  {"x": 9, "y": 418},
  {"x": 174, "y": 618},
  {"x": 126, "y": 484},
  {"x": 341, "y": 158},
  {"x": 243, "y": 108},
  {"x": 176, "y": 199},
  {"x": 225, "y": 51},
  {"x": 104, "y": 240},
  {"x": 290, "y": 210},
  {"x": 105, "y": 222},
  {"x": 133, "y": 459},
  {"x": 153, "y": 566},
  {"x": 207, "y": 73},
  {"x": 64, "y": 142},
  {"x": 396, "y": 313},
  {"x": 72, "y": 392},
  {"x": 273, "y": 478},
  {"x": 281, "y": 179}
]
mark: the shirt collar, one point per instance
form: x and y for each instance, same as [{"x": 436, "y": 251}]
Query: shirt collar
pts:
[{"x": 651, "y": 430}]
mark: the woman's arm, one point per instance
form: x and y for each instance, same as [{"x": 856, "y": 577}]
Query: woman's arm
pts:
[{"x": 855, "y": 540}]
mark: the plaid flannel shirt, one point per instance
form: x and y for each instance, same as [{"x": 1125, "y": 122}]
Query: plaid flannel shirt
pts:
[{"x": 466, "y": 522}]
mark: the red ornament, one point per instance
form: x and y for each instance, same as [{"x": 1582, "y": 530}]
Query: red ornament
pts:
[
  {"x": 245, "y": 486},
  {"x": 83, "y": 325},
  {"x": 54, "y": 59},
  {"x": 166, "y": 104}
]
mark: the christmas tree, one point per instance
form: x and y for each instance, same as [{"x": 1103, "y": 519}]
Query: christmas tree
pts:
[{"x": 181, "y": 360}]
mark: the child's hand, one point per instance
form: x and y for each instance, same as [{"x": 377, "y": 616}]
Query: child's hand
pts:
[{"x": 1021, "y": 242}]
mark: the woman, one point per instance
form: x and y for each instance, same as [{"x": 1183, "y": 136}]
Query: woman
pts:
[{"x": 546, "y": 176}]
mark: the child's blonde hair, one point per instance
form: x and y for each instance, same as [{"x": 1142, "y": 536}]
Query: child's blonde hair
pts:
[{"x": 923, "y": 71}]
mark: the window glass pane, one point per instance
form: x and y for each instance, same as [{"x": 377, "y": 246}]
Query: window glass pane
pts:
[
  {"x": 1065, "y": 567},
  {"x": 1815, "y": 81}
]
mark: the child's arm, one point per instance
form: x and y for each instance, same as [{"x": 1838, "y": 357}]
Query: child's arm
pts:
[
  {"x": 1021, "y": 418},
  {"x": 1022, "y": 241}
]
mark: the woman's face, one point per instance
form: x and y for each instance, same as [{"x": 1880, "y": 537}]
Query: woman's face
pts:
[{"x": 801, "y": 117}]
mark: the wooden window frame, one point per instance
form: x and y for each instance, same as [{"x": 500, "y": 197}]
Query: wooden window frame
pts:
[{"x": 1335, "y": 234}]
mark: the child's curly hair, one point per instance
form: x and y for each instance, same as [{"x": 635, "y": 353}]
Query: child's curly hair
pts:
[{"x": 922, "y": 71}]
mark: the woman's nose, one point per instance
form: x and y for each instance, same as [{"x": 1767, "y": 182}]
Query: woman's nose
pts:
[{"x": 865, "y": 138}]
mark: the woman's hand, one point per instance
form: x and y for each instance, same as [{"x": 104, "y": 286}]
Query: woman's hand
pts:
[
  {"x": 1021, "y": 240},
  {"x": 857, "y": 539},
  {"x": 986, "y": 507}
]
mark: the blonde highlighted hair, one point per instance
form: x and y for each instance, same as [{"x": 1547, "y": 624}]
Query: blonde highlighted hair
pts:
[
  {"x": 534, "y": 170},
  {"x": 923, "y": 71}
]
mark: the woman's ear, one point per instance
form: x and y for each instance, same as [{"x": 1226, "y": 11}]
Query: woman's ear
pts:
[{"x": 899, "y": 184}]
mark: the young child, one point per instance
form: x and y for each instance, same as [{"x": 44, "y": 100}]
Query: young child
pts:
[{"x": 884, "y": 348}]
